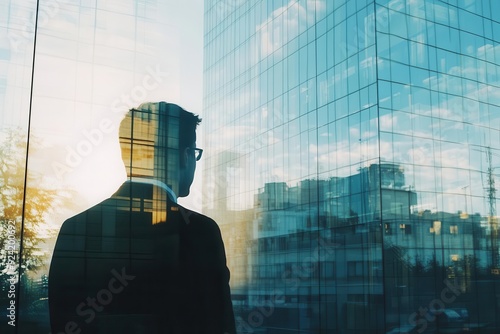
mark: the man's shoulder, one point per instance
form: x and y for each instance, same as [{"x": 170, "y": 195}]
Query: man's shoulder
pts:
[
  {"x": 82, "y": 217},
  {"x": 121, "y": 200},
  {"x": 198, "y": 219},
  {"x": 197, "y": 216}
]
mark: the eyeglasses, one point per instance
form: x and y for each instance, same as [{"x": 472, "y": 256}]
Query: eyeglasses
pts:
[{"x": 197, "y": 152}]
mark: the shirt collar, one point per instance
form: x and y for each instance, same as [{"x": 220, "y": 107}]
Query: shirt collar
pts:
[{"x": 171, "y": 194}]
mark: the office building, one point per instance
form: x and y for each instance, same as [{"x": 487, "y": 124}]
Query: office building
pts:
[{"x": 353, "y": 153}]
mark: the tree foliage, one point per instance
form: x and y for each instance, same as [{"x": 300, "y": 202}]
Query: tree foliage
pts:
[{"x": 24, "y": 201}]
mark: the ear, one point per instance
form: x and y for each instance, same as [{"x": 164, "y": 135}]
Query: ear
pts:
[{"x": 184, "y": 157}]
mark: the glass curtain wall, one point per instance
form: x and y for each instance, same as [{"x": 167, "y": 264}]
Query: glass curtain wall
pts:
[
  {"x": 69, "y": 72},
  {"x": 354, "y": 148}
]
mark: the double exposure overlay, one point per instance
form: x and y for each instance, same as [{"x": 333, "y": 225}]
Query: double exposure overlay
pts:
[
  {"x": 351, "y": 155},
  {"x": 353, "y": 165}
]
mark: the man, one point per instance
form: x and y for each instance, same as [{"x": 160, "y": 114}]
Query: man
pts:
[{"x": 138, "y": 262}]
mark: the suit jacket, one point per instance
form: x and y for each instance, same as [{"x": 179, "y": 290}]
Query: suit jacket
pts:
[{"x": 140, "y": 263}]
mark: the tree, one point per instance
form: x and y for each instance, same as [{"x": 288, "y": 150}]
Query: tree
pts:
[{"x": 20, "y": 193}]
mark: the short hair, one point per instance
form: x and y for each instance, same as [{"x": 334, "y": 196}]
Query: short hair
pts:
[
  {"x": 187, "y": 126},
  {"x": 188, "y": 121}
]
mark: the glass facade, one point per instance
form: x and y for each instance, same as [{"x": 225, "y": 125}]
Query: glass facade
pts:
[
  {"x": 69, "y": 72},
  {"x": 352, "y": 152}
]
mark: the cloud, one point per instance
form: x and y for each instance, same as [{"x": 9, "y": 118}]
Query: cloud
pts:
[{"x": 286, "y": 23}]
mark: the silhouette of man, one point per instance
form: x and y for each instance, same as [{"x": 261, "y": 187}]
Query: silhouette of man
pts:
[{"x": 138, "y": 262}]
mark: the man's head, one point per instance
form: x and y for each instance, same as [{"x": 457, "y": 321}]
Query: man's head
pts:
[{"x": 158, "y": 141}]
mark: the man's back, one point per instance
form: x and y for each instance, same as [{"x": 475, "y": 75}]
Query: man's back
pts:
[{"x": 139, "y": 263}]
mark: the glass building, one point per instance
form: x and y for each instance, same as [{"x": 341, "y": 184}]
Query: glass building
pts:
[{"x": 352, "y": 152}]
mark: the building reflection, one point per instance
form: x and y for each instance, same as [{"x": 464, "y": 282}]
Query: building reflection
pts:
[{"x": 357, "y": 254}]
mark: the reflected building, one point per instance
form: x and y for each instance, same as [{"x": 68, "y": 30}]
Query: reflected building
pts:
[{"x": 365, "y": 145}]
